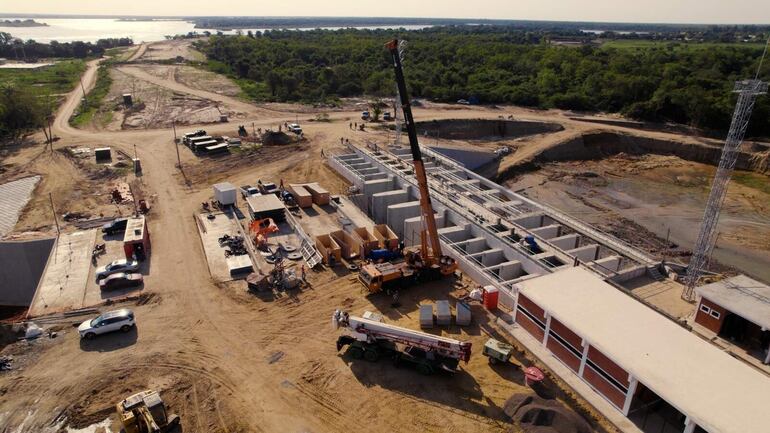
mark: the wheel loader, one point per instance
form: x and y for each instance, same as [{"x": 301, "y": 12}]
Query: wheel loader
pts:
[{"x": 145, "y": 412}]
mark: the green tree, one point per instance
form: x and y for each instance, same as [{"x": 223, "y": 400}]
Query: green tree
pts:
[{"x": 20, "y": 112}]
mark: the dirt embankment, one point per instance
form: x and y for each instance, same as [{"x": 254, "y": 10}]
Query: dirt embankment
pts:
[
  {"x": 602, "y": 144},
  {"x": 477, "y": 129}
]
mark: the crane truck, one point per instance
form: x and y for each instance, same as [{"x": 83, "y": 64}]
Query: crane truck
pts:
[
  {"x": 427, "y": 263},
  {"x": 371, "y": 339}
]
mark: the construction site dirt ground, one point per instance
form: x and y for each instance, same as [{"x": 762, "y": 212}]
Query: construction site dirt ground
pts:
[
  {"x": 223, "y": 359},
  {"x": 660, "y": 193}
]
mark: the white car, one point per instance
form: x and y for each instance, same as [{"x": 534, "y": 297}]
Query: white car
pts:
[
  {"x": 116, "y": 266},
  {"x": 295, "y": 128},
  {"x": 118, "y": 320}
]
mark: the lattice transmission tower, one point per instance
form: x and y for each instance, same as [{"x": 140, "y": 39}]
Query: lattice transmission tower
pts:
[
  {"x": 747, "y": 91},
  {"x": 398, "y": 115}
]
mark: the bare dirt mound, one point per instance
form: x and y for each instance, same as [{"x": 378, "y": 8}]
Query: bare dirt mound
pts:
[
  {"x": 477, "y": 129},
  {"x": 534, "y": 414}
]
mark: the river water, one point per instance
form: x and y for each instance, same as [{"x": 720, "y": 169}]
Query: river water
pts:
[{"x": 91, "y": 29}]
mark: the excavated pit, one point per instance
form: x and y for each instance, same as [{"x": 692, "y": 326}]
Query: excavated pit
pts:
[{"x": 486, "y": 129}]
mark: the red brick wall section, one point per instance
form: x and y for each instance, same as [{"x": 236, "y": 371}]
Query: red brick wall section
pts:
[
  {"x": 566, "y": 334},
  {"x": 706, "y": 320},
  {"x": 608, "y": 365},
  {"x": 561, "y": 352},
  {"x": 530, "y": 326},
  {"x": 531, "y": 307},
  {"x": 605, "y": 388}
]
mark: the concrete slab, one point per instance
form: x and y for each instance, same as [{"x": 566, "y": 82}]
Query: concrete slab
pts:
[
  {"x": 319, "y": 220},
  {"x": 13, "y": 197},
  {"x": 210, "y": 231},
  {"x": 113, "y": 251},
  {"x": 64, "y": 281}
]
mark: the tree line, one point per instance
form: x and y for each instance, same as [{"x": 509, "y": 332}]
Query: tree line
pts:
[
  {"x": 672, "y": 82},
  {"x": 12, "y": 48}
]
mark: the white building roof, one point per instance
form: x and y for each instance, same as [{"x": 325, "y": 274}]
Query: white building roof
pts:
[
  {"x": 743, "y": 296},
  {"x": 719, "y": 393}
]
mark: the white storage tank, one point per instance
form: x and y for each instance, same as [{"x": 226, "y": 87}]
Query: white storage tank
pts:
[
  {"x": 426, "y": 316},
  {"x": 443, "y": 313},
  {"x": 225, "y": 193}
]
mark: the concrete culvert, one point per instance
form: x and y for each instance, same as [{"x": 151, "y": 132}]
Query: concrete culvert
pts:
[{"x": 477, "y": 129}]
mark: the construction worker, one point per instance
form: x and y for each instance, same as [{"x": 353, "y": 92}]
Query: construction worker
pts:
[
  {"x": 303, "y": 273},
  {"x": 356, "y": 126},
  {"x": 350, "y": 126}
]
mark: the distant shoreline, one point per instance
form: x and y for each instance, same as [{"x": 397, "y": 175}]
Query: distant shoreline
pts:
[{"x": 20, "y": 23}]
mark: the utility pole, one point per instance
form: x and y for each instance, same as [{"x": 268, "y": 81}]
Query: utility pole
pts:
[
  {"x": 173, "y": 125},
  {"x": 85, "y": 98},
  {"x": 253, "y": 131},
  {"x": 55, "y": 218},
  {"x": 135, "y": 154}
]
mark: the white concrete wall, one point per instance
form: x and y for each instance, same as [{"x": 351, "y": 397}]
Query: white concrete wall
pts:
[
  {"x": 566, "y": 242},
  {"x": 413, "y": 226},
  {"x": 547, "y": 232},
  {"x": 585, "y": 253},
  {"x": 398, "y": 213},
  {"x": 382, "y": 200}
]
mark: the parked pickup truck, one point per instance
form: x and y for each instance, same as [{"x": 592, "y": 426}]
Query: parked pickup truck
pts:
[
  {"x": 115, "y": 226},
  {"x": 295, "y": 128}
]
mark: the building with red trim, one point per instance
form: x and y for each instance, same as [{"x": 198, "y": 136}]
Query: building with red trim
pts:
[
  {"x": 650, "y": 368},
  {"x": 738, "y": 310}
]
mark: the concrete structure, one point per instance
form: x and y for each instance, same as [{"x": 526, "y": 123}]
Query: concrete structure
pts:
[
  {"x": 597, "y": 332},
  {"x": 13, "y": 197},
  {"x": 210, "y": 230},
  {"x": 737, "y": 309},
  {"x": 562, "y": 290},
  {"x": 136, "y": 239},
  {"x": 64, "y": 282},
  {"x": 22, "y": 267},
  {"x": 482, "y": 224}
]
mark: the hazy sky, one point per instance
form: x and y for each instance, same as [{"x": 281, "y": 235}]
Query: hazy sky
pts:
[{"x": 658, "y": 11}]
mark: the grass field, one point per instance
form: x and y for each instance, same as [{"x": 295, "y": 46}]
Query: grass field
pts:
[
  {"x": 58, "y": 78},
  {"x": 640, "y": 44},
  {"x": 95, "y": 98}
]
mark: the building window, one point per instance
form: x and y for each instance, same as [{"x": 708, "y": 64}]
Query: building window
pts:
[
  {"x": 715, "y": 314},
  {"x": 705, "y": 309}
]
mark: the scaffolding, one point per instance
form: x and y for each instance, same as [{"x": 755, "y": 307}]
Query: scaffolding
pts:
[{"x": 747, "y": 91}]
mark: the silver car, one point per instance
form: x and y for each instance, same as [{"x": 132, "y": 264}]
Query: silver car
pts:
[
  {"x": 116, "y": 266},
  {"x": 118, "y": 320}
]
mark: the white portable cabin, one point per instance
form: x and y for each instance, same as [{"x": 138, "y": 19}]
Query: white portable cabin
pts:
[{"x": 225, "y": 193}]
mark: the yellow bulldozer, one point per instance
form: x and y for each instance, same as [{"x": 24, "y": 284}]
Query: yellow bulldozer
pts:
[{"x": 145, "y": 412}]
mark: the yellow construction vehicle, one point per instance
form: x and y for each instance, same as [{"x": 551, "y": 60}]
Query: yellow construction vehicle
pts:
[
  {"x": 145, "y": 412},
  {"x": 428, "y": 262}
]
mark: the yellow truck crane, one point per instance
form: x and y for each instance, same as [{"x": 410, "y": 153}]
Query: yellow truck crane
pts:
[{"x": 427, "y": 263}]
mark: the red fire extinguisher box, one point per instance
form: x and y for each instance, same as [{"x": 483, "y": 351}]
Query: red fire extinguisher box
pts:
[{"x": 490, "y": 298}]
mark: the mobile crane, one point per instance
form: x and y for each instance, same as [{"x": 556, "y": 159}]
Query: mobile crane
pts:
[
  {"x": 428, "y": 263},
  {"x": 370, "y": 339}
]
